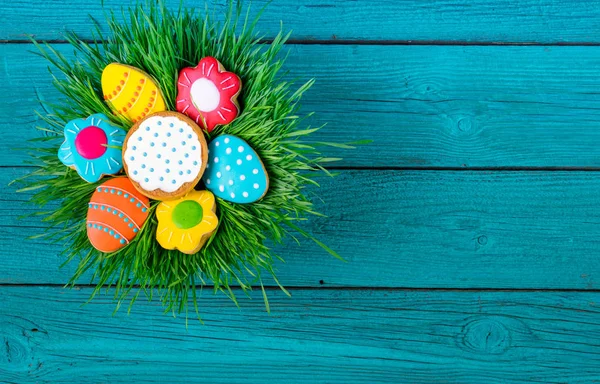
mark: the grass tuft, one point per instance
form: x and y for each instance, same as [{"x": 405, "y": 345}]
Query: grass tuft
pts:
[{"x": 161, "y": 42}]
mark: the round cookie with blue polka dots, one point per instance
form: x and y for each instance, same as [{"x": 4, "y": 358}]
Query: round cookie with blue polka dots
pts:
[{"x": 165, "y": 155}]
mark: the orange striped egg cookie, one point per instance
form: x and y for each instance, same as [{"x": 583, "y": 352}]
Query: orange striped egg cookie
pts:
[
  {"x": 131, "y": 92},
  {"x": 116, "y": 213}
]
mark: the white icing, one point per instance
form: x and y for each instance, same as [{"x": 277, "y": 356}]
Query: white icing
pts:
[
  {"x": 149, "y": 155},
  {"x": 205, "y": 95}
]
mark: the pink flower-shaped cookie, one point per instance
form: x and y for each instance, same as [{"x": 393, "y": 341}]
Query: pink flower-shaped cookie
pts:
[{"x": 208, "y": 94}]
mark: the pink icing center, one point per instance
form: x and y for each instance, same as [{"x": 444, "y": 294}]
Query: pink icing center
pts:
[{"x": 91, "y": 142}]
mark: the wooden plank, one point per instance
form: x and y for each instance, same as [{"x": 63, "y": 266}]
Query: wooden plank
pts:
[
  {"x": 442, "y": 106},
  {"x": 317, "y": 336},
  {"x": 553, "y": 21},
  {"x": 420, "y": 229}
]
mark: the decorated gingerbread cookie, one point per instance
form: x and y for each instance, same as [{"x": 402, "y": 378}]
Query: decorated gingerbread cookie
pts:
[
  {"x": 165, "y": 155},
  {"x": 208, "y": 94},
  {"x": 187, "y": 223},
  {"x": 116, "y": 213},
  {"x": 235, "y": 172},
  {"x": 92, "y": 147},
  {"x": 131, "y": 92}
]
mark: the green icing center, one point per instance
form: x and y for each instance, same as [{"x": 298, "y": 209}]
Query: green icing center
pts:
[{"x": 187, "y": 214}]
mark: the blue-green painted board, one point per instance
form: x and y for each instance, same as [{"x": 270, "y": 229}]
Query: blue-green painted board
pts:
[
  {"x": 317, "y": 336},
  {"x": 490, "y": 21},
  {"x": 443, "y": 229},
  {"x": 442, "y": 106},
  {"x": 425, "y": 106}
]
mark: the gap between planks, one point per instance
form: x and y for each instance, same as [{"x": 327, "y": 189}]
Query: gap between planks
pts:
[
  {"x": 366, "y": 42},
  {"x": 428, "y": 168},
  {"x": 323, "y": 287}
]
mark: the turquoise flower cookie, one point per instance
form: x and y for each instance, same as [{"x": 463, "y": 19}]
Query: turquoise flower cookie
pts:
[{"x": 92, "y": 147}]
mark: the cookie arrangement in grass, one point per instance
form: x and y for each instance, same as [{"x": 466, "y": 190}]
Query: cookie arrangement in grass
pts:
[{"x": 180, "y": 160}]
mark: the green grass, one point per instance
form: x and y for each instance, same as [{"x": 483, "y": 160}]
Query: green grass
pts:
[{"x": 161, "y": 42}]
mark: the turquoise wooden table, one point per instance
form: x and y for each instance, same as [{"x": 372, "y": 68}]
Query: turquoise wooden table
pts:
[{"x": 471, "y": 224}]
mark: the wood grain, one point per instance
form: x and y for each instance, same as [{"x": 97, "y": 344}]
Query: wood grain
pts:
[
  {"x": 443, "y": 229},
  {"x": 487, "y": 252},
  {"x": 317, "y": 336},
  {"x": 443, "y": 106},
  {"x": 490, "y": 21}
]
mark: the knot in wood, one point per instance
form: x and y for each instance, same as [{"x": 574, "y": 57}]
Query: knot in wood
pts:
[
  {"x": 482, "y": 240},
  {"x": 464, "y": 124},
  {"x": 16, "y": 352},
  {"x": 485, "y": 335}
]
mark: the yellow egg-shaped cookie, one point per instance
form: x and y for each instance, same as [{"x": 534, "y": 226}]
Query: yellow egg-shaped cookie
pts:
[{"x": 131, "y": 92}]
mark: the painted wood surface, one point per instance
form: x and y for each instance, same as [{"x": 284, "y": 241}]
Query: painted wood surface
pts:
[
  {"x": 470, "y": 225},
  {"x": 442, "y": 106},
  {"x": 488, "y": 21},
  {"x": 409, "y": 229},
  {"x": 317, "y": 336}
]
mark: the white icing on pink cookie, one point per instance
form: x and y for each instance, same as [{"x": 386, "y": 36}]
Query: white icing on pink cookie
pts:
[{"x": 163, "y": 154}]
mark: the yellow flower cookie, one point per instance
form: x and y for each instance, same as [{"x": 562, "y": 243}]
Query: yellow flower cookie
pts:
[{"x": 188, "y": 222}]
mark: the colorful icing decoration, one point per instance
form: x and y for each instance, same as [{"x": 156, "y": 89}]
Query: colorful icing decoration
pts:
[
  {"x": 131, "y": 92},
  {"x": 187, "y": 223},
  {"x": 165, "y": 155},
  {"x": 235, "y": 172},
  {"x": 208, "y": 94},
  {"x": 116, "y": 213},
  {"x": 92, "y": 147}
]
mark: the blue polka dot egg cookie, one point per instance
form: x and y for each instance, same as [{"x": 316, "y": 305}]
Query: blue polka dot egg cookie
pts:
[
  {"x": 165, "y": 155},
  {"x": 235, "y": 172}
]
